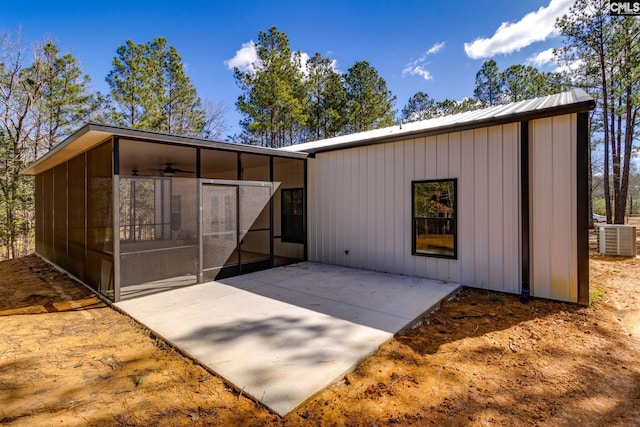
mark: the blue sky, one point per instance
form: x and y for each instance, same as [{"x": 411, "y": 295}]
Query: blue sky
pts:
[{"x": 431, "y": 46}]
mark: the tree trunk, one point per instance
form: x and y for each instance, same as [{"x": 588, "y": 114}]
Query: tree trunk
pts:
[
  {"x": 590, "y": 184},
  {"x": 616, "y": 130},
  {"x": 605, "y": 118},
  {"x": 628, "y": 145}
]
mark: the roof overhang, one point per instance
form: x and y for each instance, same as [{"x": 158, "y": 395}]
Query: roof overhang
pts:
[
  {"x": 573, "y": 101},
  {"x": 93, "y": 134}
]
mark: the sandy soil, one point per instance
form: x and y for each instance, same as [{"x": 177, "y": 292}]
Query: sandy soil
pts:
[{"x": 482, "y": 359}]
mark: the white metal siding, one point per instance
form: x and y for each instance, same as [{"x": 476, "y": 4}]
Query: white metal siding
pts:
[
  {"x": 360, "y": 201},
  {"x": 554, "y": 267},
  {"x": 480, "y": 209}
]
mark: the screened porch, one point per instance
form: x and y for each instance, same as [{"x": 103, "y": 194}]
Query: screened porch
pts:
[{"x": 131, "y": 216}]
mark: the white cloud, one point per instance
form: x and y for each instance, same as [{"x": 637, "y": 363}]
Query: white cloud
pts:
[
  {"x": 244, "y": 58},
  {"x": 571, "y": 67},
  {"x": 435, "y": 48},
  {"x": 304, "y": 57},
  {"x": 418, "y": 70},
  {"x": 334, "y": 66},
  {"x": 542, "y": 58},
  {"x": 304, "y": 64},
  {"x": 417, "y": 67},
  {"x": 547, "y": 57},
  {"x": 510, "y": 37}
]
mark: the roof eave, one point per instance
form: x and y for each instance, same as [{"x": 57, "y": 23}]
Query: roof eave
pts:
[
  {"x": 44, "y": 163},
  {"x": 95, "y": 134}
]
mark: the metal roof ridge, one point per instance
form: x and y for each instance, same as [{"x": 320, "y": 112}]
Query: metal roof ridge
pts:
[{"x": 573, "y": 100}]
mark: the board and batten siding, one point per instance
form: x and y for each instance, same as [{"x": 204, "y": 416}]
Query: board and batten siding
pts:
[
  {"x": 553, "y": 211},
  {"x": 359, "y": 206}
]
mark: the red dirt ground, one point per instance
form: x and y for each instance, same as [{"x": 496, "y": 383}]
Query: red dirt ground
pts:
[{"x": 483, "y": 359}]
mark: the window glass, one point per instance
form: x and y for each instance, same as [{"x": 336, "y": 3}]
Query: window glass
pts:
[
  {"x": 292, "y": 215},
  {"x": 434, "y": 218}
]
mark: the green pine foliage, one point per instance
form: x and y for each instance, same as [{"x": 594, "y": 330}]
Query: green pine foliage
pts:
[
  {"x": 285, "y": 101},
  {"x": 326, "y": 102},
  {"x": 150, "y": 90},
  {"x": 370, "y": 103},
  {"x": 420, "y": 107},
  {"x": 493, "y": 87},
  {"x": 516, "y": 83},
  {"x": 65, "y": 99},
  {"x": 448, "y": 106},
  {"x": 520, "y": 82},
  {"x": 273, "y": 93},
  {"x": 489, "y": 84}
]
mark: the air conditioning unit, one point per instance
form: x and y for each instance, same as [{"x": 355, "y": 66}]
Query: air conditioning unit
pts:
[{"x": 617, "y": 240}]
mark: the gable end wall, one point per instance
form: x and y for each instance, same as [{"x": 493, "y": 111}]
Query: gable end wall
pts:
[{"x": 360, "y": 206}]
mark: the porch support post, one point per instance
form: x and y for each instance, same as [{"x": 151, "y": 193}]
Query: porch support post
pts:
[
  {"x": 198, "y": 161},
  {"x": 271, "y": 212},
  {"x": 200, "y": 228},
  {"x": 116, "y": 219},
  {"x": 305, "y": 199}
]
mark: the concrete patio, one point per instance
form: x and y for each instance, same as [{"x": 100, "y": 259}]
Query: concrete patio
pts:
[{"x": 283, "y": 335}]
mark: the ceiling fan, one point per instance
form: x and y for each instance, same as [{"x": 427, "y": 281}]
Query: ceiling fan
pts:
[{"x": 170, "y": 170}]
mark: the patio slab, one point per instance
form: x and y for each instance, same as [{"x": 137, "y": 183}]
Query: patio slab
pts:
[{"x": 285, "y": 334}]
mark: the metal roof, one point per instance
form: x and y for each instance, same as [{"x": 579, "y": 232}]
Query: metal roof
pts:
[
  {"x": 92, "y": 134},
  {"x": 572, "y": 101}
]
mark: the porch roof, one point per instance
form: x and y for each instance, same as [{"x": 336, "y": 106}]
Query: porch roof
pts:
[{"x": 92, "y": 134}]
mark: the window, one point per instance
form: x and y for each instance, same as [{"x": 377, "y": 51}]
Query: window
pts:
[
  {"x": 434, "y": 218},
  {"x": 292, "y": 215}
]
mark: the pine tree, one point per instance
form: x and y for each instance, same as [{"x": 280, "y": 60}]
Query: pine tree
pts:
[
  {"x": 152, "y": 92},
  {"x": 370, "y": 103},
  {"x": 419, "y": 107},
  {"x": 40, "y": 103},
  {"x": 448, "y": 106},
  {"x": 326, "y": 104},
  {"x": 64, "y": 101},
  {"x": 273, "y": 98},
  {"x": 608, "y": 47},
  {"x": 489, "y": 84},
  {"x": 128, "y": 83},
  {"x": 522, "y": 82},
  {"x": 182, "y": 110}
]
